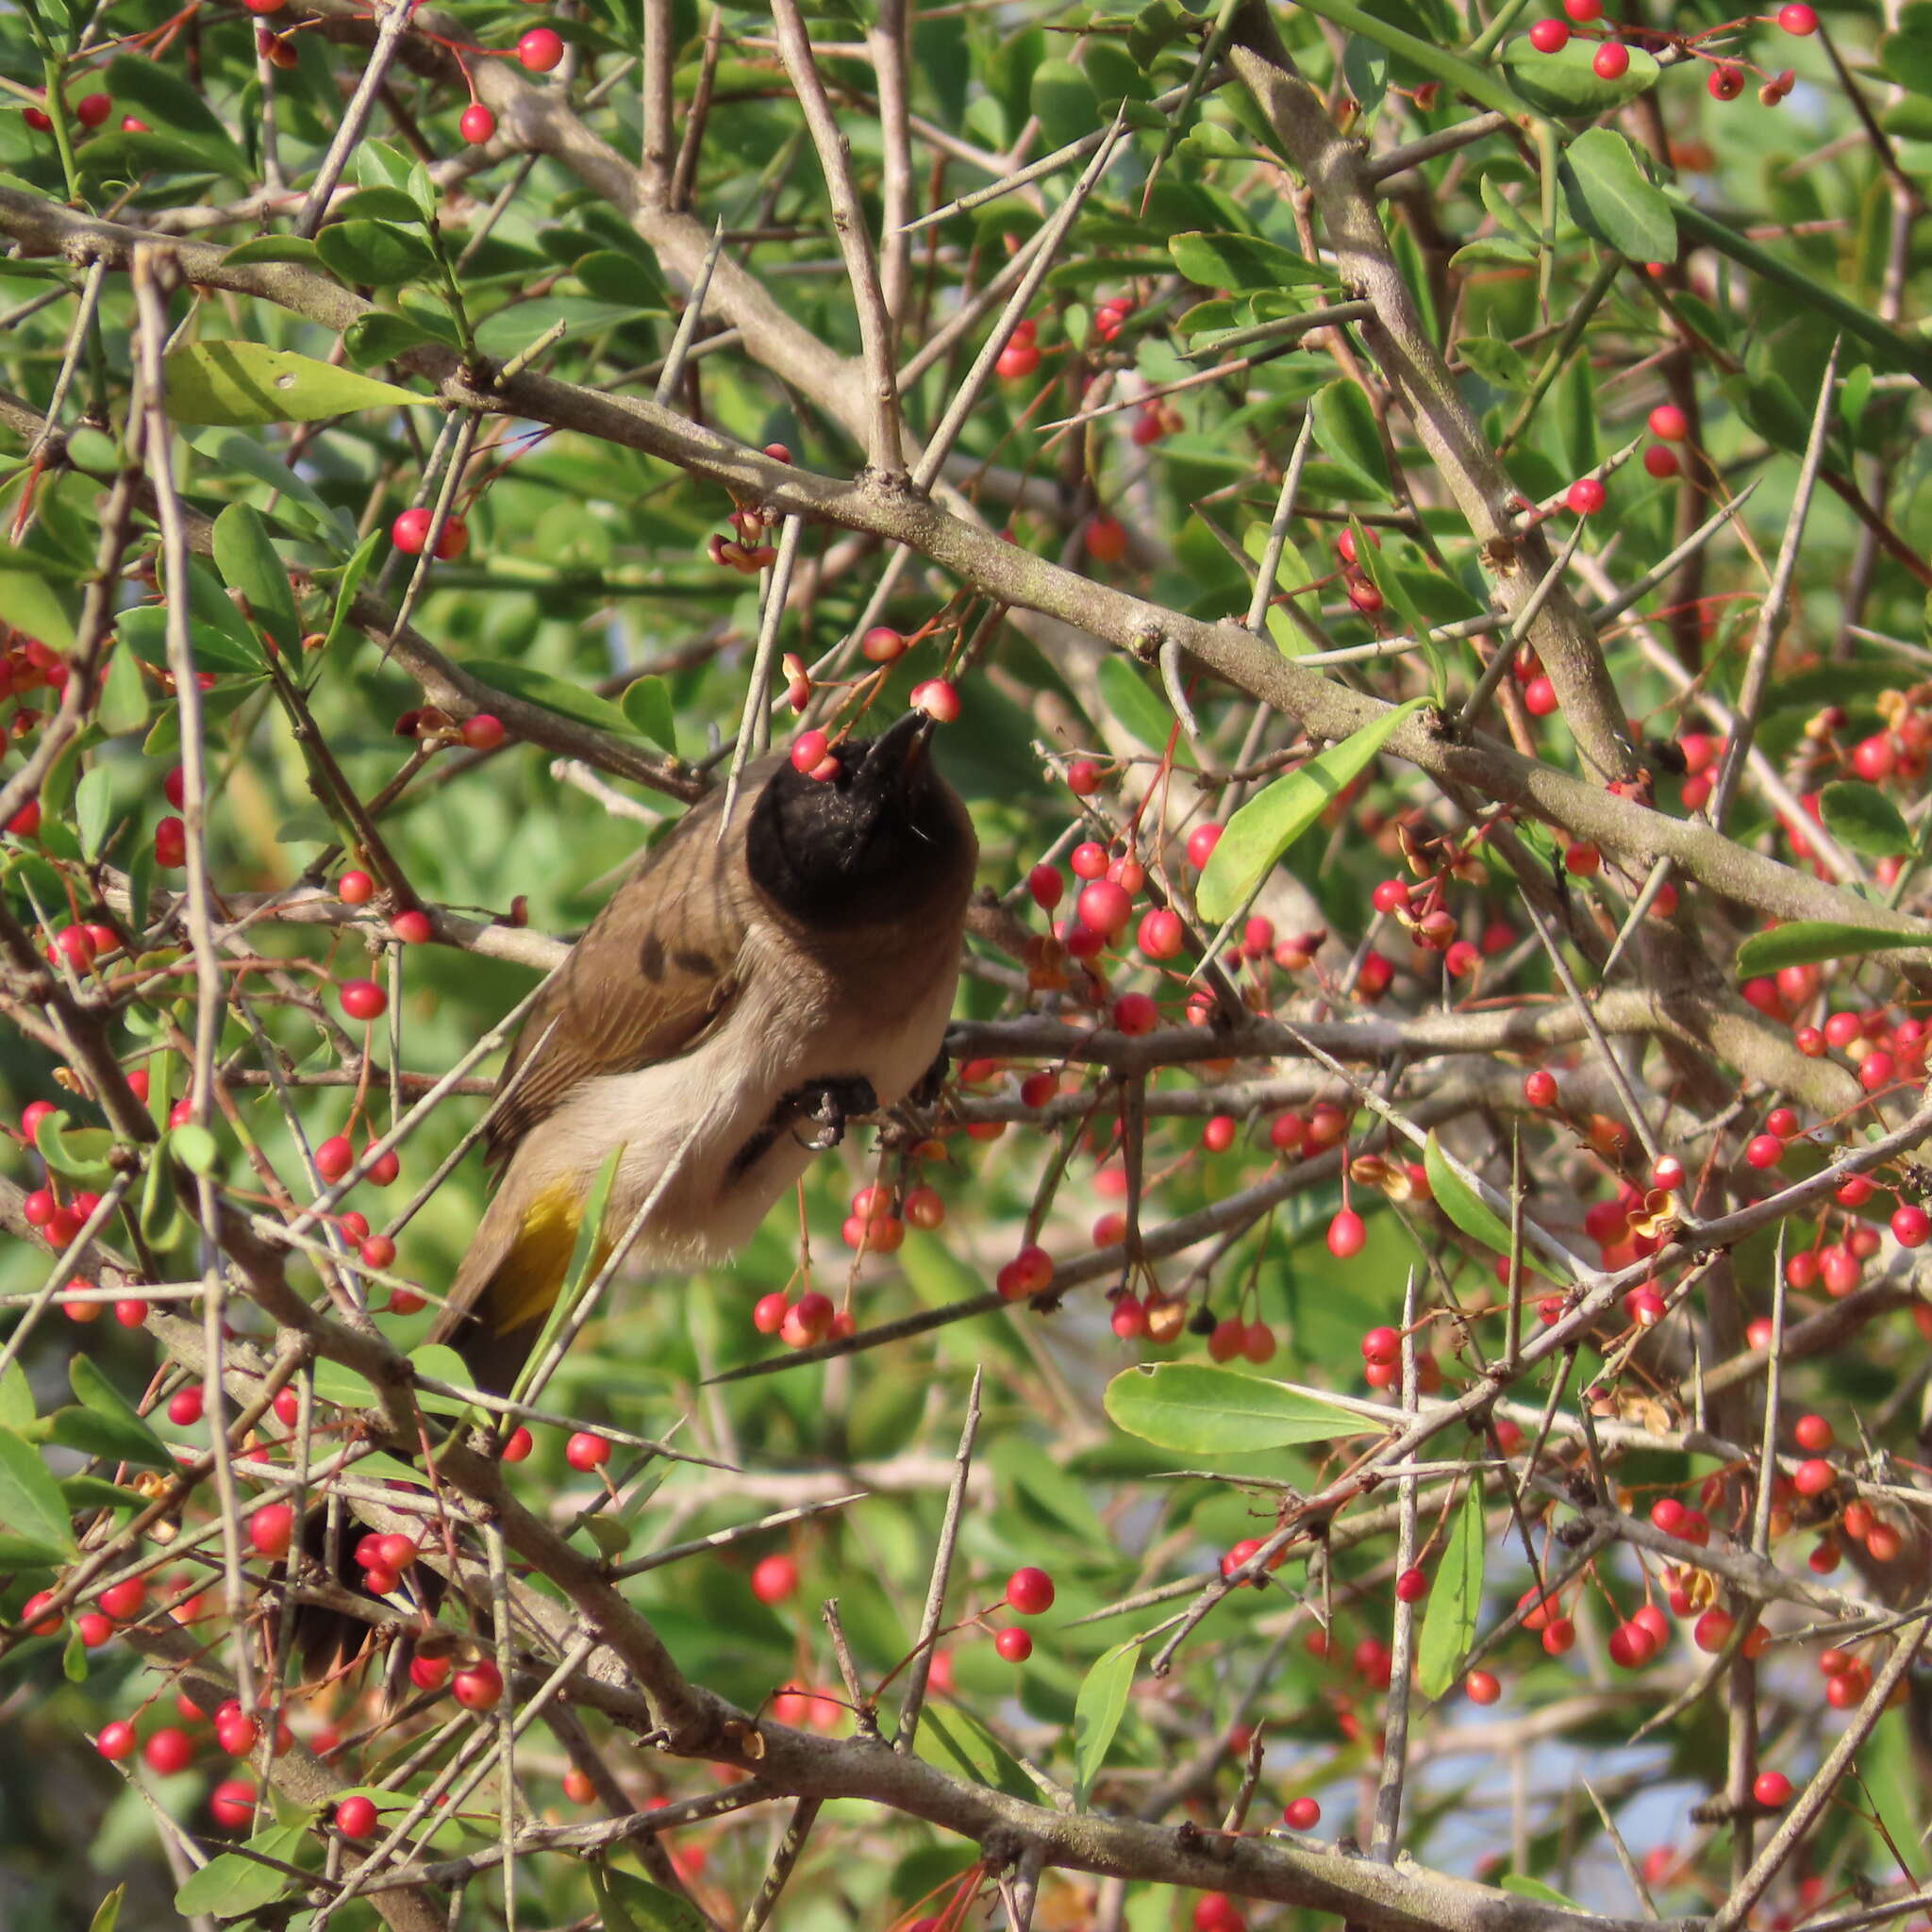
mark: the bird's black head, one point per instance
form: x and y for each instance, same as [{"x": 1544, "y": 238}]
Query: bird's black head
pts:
[{"x": 875, "y": 842}]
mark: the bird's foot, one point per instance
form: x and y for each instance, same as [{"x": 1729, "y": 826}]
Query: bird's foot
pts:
[{"x": 821, "y": 1110}]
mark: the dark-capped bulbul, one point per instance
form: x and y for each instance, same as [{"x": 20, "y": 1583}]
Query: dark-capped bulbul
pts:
[{"x": 742, "y": 993}]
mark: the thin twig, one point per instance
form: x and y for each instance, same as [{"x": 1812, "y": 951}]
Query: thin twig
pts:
[{"x": 920, "y": 1666}]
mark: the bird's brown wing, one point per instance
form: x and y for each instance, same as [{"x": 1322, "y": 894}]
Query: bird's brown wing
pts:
[{"x": 655, "y": 969}]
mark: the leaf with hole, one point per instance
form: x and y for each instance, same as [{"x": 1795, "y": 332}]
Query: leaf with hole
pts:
[
  {"x": 1200, "y": 1409},
  {"x": 246, "y": 384},
  {"x": 1260, "y": 833}
]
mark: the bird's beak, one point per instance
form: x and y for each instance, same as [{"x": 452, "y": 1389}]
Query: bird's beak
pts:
[{"x": 899, "y": 750}]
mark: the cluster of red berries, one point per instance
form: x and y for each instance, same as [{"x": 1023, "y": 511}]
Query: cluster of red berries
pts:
[
  {"x": 1611, "y": 61},
  {"x": 1111, "y": 316},
  {"x": 1029, "y": 1593},
  {"x": 1021, "y": 355},
  {"x": 803, "y": 1323},
  {"x": 410, "y": 531}
]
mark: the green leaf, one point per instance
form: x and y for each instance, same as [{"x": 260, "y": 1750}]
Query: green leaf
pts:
[
  {"x": 16, "y": 1398},
  {"x": 231, "y": 449},
  {"x": 194, "y": 1147},
  {"x": 1565, "y": 82},
  {"x": 1452, "y": 70},
  {"x": 630, "y": 1904},
  {"x": 112, "y": 1441},
  {"x": 107, "y": 1913},
  {"x": 23, "y": 1553},
  {"x": 293, "y": 248},
  {"x": 1461, "y": 1203},
  {"x": 519, "y": 324},
  {"x": 145, "y": 631},
  {"x": 1263, "y": 830},
  {"x": 166, "y": 102},
  {"x": 1861, "y": 817},
  {"x": 957, "y": 1743},
  {"x": 1098, "y": 1713},
  {"x": 1810, "y": 941},
  {"x": 95, "y": 1392},
  {"x": 353, "y": 573},
  {"x": 1525, "y": 1886},
  {"x": 94, "y": 800},
  {"x": 1906, "y": 57},
  {"x": 122, "y": 154},
  {"x": 378, "y": 205},
  {"x": 375, "y": 255},
  {"x": 1239, "y": 262},
  {"x": 1065, "y": 100},
  {"x": 246, "y": 384},
  {"x": 76, "y": 1154},
  {"x": 1346, "y": 432},
  {"x": 554, "y": 693},
  {"x": 250, "y": 567},
  {"x": 30, "y": 1499},
  {"x": 1200, "y": 1409},
  {"x": 380, "y": 337},
  {"x": 1134, "y": 706},
  {"x": 646, "y": 705},
  {"x": 1613, "y": 199},
  {"x": 29, "y": 602},
  {"x": 1456, "y": 1596},
  {"x": 228, "y": 1886}
]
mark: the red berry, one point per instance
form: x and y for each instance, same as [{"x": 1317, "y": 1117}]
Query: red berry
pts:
[
  {"x": 1482, "y": 1687},
  {"x": 168, "y": 1751},
  {"x": 37, "y": 119},
  {"x": 577, "y": 1786},
  {"x": 116, "y": 1741},
  {"x": 768, "y": 1315},
  {"x": 1106, "y": 539},
  {"x": 354, "y": 889},
  {"x": 1796, "y": 18},
  {"x": 1346, "y": 1234},
  {"x": 1657, "y": 461},
  {"x": 30, "y": 1610},
  {"x": 1014, "y": 1644},
  {"x": 410, "y": 531},
  {"x": 810, "y": 750},
  {"x": 238, "y": 1734},
  {"x": 232, "y": 1803},
  {"x": 1611, "y": 60},
  {"x": 336, "y": 1155},
  {"x": 185, "y": 1407},
  {"x": 774, "y": 1579},
  {"x": 1773, "y": 1789},
  {"x": 939, "y": 698},
  {"x": 430, "y": 1672},
  {"x": 1550, "y": 35},
  {"x": 1201, "y": 843},
  {"x": 1911, "y": 1226},
  {"x": 131, "y": 1314},
  {"x": 1725, "y": 82},
  {"x": 92, "y": 111},
  {"x": 264, "y": 6},
  {"x": 882, "y": 645},
  {"x": 1813, "y": 1476},
  {"x": 479, "y": 1686},
  {"x": 271, "y": 1528},
  {"x": 1136, "y": 1013},
  {"x": 1103, "y": 907},
  {"x": 1585, "y": 496},
  {"x": 1814, "y": 1433},
  {"x": 1540, "y": 1088},
  {"x": 1301, "y": 1814},
  {"x": 1161, "y": 934},
  {"x": 518, "y": 1445},
  {"x": 1411, "y": 1587},
  {"x": 1083, "y": 778},
  {"x": 1539, "y": 697},
  {"x": 484, "y": 732},
  {"x": 585, "y": 1452},
  {"x": 123, "y": 1601},
  {"x": 1029, "y": 1592},
  {"x": 540, "y": 50},
  {"x": 1764, "y": 1150},
  {"x": 355, "y": 1816},
  {"x": 1669, "y": 423},
  {"x": 478, "y": 124},
  {"x": 412, "y": 928},
  {"x": 378, "y": 1251},
  {"x": 362, "y": 999}
]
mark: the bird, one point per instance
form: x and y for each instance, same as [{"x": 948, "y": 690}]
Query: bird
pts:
[{"x": 756, "y": 981}]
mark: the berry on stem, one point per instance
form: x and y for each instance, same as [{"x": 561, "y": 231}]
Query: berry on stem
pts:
[
  {"x": 540, "y": 50},
  {"x": 1029, "y": 1592}
]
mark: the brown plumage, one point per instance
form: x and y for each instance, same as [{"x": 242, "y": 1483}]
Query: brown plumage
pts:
[{"x": 731, "y": 1002}]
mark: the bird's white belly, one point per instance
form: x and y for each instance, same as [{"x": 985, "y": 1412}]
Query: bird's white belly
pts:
[{"x": 683, "y": 1123}]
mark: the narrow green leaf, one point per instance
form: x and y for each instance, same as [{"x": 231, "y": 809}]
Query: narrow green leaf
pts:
[
  {"x": 957, "y": 1743},
  {"x": 1525, "y": 1886},
  {"x": 165, "y": 101},
  {"x": 1346, "y": 433},
  {"x": 1460, "y": 1202},
  {"x": 246, "y": 384},
  {"x": 23, "y": 1553},
  {"x": 30, "y": 1499},
  {"x": 1263, "y": 830},
  {"x": 1097, "y": 1712},
  {"x": 107, "y": 1437},
  {"x": 93, "y": 1390},
  {"x": 1614, "y": 200},
  {"x": 194, "y": 1147},
  {"x": 1452, "y": 70},
  {"x": 1133, "y": 705},
  {"x": 107, "y": 1913},
  {"x": 353, "y": 573},
  {"x": 1862, "y": 816},
  {"x": 94, "y": 800},
  {"x": 250, "y": 567},
  {"x": 1810, "y": 941},
  {"x": 1456, "y": 1595},
  {"x": 552, "y": 693},
  {"x": 1065, "y": 101},
  {"x": 1200, "y": 1409},
  {"x": 16, "y": 1398},
  {"x": 646, "y": 704},
  {"x": 1240, "y": 262},
  {"x": 630, "y": 1904},
  {"x": 76, "y": 1154},
  {"x": 232, "y": 449}
]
